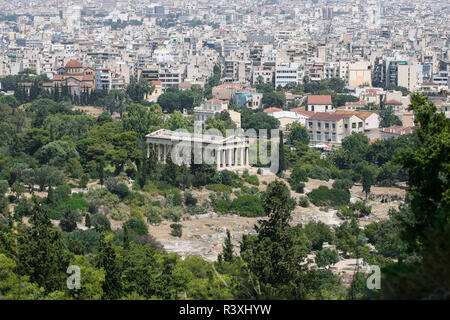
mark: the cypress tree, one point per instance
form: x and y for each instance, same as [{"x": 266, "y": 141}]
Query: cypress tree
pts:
[
  {"x": 282, "y": 159},
  {"x": 102, "y": 172},
  {"x": 50, "y": 195},
  {"x": 87, "y": 220},
  {"x": 126, "y": 237},
  {"x": 107, "y": 259},
  {"x": 228, "y": 248}
]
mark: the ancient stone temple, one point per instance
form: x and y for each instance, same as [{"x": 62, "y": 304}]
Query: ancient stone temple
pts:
[{"x": 231, "y": 153}]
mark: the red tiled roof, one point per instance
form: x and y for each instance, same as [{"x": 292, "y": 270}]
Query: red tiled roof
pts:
[
  {"x": 398, "y": 130},
  {"x": 393, "y": 102},
  {"x": 58, "y": 77},
  {"x": 360, "y": 114},
  {"x": 88, "y": 77},
  {"x": 358, "y": 103},
  {"x": 185, "y": 85},
  {"x": 319, "y": 99},
  {"x": 230, "y": 85},
  {"x": 270, "y": 110},
  {"x": 156, "y": 82},
  {"x": 73, "y": 64},
  {"x": 328, "y": 116},
  {"x": 307, "y": 114}
]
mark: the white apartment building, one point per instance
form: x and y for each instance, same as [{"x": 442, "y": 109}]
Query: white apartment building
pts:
[
  {"x": 286, "y": 73},
  {"x": 170, "y": 77},
  {"x": 103, "y": 79},
  {"x": 332, "y": 128},
  {"x": 320, "y": 103}
]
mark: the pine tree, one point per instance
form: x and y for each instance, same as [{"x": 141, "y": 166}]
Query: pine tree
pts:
[
  {"x": 41, "y": 254},
  {"x": 272, "y": 257}
]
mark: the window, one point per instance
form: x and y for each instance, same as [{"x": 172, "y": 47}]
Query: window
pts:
[
  {"x": 345, "y": 126},
  {"x": 360, "y": 124},
  {"x": 319, "y": 135},
  {"x": 310, "y": 124},
  {"x": 333, "y": 126},
  {"x": 354, "y": 125},
  {"x": 333, "y": 136},
  {"x": 327, "y": 125},
  {"x": 318, "y": 124}
]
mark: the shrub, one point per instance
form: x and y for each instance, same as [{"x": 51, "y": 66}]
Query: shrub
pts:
[
  {"x": 298, "y": 176},
  {"x": 173, "y": 214},
  {"x": 358, "y": 209},
  {"x": 343, "y": 184},
  {"x": 219, "y": 188},
  {"x": 252, "y": 180},
  {"x": 320, "y": 173},
  {"x": 300, "y": 187},
  {"x": 248, "y": 206},
  {"x": 227, "y": 177},
  {"x": 122, "y": 190},
  {"x": 326, "y": 257},
  {"x": 318, "y": 233},
  {"x": 76, "y": 246},
  {"x": 177, "y": 198},
  {"x": 84, "y": 180},
  {"x": 213, "y": 199},
  {"x": 303, "y": 202},
  {"x": 118, "y": 213},
  {"x": 222, "y": 206},
  {"x": 111, "y": 184},
  {"x": 148, "y": 239},
  {"x": 69, "y": 220},
  {"x": 89, "y": 238},
  {"x": 323, "y": 196},
  {"x": 138, "y": 226},
  {"x": 194, "y": 210},
  {"x": 62, "y": 193},
  {"x": 189, "y": 199},
  {"x": 23, "y": 208},
  {"x": 177, "y": 230},
  {"x": 99, "y": 221},
  {"x": 77, "y": 203},
  {"x": 153, "y": 213}
]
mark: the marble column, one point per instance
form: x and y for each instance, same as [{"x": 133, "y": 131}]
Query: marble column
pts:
[
  {"x": 217, "y": 151},
  {"x": 246, "y": 157},
  {"x": 241, "y": 160},
  {"x": 159, "y": 152},
  {"x": 229, "y": 157}
]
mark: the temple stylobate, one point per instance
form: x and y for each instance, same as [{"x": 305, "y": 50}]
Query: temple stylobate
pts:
[{"x": 231, "y": 153}]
